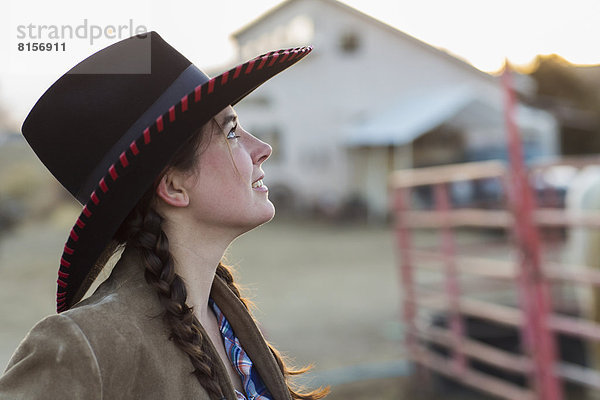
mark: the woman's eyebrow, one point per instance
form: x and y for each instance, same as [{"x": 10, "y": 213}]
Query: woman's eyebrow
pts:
[
  {"x": 226, "y": 120},
  {"x": 229, "y": 118}
]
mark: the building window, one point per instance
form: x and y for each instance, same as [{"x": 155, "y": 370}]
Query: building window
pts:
[{"x": 349, "y": 42}]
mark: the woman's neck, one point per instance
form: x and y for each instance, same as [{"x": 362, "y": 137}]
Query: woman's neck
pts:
[{"x": 197, "y": 254}]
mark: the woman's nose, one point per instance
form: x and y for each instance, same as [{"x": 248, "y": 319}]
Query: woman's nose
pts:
[{"x": 261, "y": 152}]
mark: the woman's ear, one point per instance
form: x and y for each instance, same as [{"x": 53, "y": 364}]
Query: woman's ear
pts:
[{"x": 171, "y": 190}]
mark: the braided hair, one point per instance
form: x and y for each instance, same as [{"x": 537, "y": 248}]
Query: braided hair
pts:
[{"x": 142, "y": 230}]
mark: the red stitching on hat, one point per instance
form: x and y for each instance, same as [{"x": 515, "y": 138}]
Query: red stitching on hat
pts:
[
  {"x": 198, "y": 93},
  {"x": 86, "y": 211},
  {"x": 275, "y": 56},
  {"x": 64, "y": 263},
  {"x": 113, "y": 172},
  {"x": 294, "y": 55},
  {"x": 262, "y": 63},
  {"x": 134, "y": 148},
  {"x": 285, "y": 55},
  {"x": 63, "y": 274},
  {"x": 95, "y": 198},
  {"x": 123, "y": 159},
  {"x": 74, "y": 235},
  {"x": 146, "y": 135},
  {"x": 224, "y": 78},
  {"x": 184, "y": 103},
  {"x": 211, "y": 85},
  {"x": 61, "y": 283},
  {"x": 250, "y": 66},
  {"x": 60, "y": 294},
  {"x": 60, "y": 301},
  {"x": 80, "y": 223},
  {"x": 68, "y": 250},
  {"x": 159, "y": 123},
  {"x": 61, "y": 308},
  {"x": 237, "y": 71},
  {"x": 172, "y": 114},
  {"x": 103, "y": 185}
]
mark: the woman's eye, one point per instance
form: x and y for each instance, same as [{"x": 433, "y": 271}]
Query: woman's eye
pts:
[{"x": 231, "y": 134}]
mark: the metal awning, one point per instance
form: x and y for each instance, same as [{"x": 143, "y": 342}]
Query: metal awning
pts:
[{"x": 409, "y": 118}]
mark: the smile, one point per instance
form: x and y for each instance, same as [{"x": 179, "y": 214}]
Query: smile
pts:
[{"x": 259, "y": 186}]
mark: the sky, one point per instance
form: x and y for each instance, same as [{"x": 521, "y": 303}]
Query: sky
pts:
[{"x": 480, "y": 32}]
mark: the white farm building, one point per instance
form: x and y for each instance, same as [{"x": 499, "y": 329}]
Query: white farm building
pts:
[{"x": 369, "y": 99}]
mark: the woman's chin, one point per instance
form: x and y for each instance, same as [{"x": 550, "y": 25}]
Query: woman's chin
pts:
[
  {"x": 265, "y": 215},
  {"x": 269, "y": 213}
]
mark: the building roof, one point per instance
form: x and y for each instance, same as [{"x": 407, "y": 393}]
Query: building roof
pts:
[{"x": 369, "y": 19}]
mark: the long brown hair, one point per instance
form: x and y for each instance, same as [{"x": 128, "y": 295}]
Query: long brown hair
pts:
[{"x": 142, "y": 230}]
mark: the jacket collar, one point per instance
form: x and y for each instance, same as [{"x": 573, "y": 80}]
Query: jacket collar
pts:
[
  {"x": 251, "y": 338},
  {"x": 128, "y": 272}
]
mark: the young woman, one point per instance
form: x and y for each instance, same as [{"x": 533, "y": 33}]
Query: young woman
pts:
[{"x": 153, "y": 149}]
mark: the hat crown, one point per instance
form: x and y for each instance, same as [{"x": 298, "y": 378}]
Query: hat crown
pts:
[{"x": 87, "y": 111}]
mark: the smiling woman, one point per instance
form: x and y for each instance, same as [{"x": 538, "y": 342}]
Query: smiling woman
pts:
[{"x": 166, "y": 173}]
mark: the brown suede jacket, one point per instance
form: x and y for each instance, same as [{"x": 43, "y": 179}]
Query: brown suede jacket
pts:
[{"x": 115, "y": 345}]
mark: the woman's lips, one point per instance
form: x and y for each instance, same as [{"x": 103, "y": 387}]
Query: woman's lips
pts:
[{"x": 259, "y": 186}]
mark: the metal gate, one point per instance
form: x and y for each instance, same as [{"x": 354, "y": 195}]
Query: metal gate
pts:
[{"x": 531, "y": 313}]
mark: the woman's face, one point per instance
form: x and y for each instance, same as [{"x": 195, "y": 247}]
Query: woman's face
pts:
[{"x": 226, "y": 189}]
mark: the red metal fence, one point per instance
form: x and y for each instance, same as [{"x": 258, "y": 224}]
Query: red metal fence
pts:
[{"x": 531, "y": 314}]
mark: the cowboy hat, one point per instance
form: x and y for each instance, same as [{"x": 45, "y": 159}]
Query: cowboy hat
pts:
[{"x": 109, "y": 126}]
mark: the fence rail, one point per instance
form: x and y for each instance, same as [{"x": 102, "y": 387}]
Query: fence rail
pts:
[{"x": 531, "y": 284}]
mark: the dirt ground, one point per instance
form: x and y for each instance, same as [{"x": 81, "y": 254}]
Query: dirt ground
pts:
[{"x": 401, "y": 388}]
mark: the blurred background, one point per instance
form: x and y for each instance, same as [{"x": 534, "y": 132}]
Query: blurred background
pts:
[{"x": 389, "y": 86}]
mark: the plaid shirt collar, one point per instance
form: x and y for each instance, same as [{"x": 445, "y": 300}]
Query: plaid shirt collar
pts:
[{"x": 253, "y": 385}]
